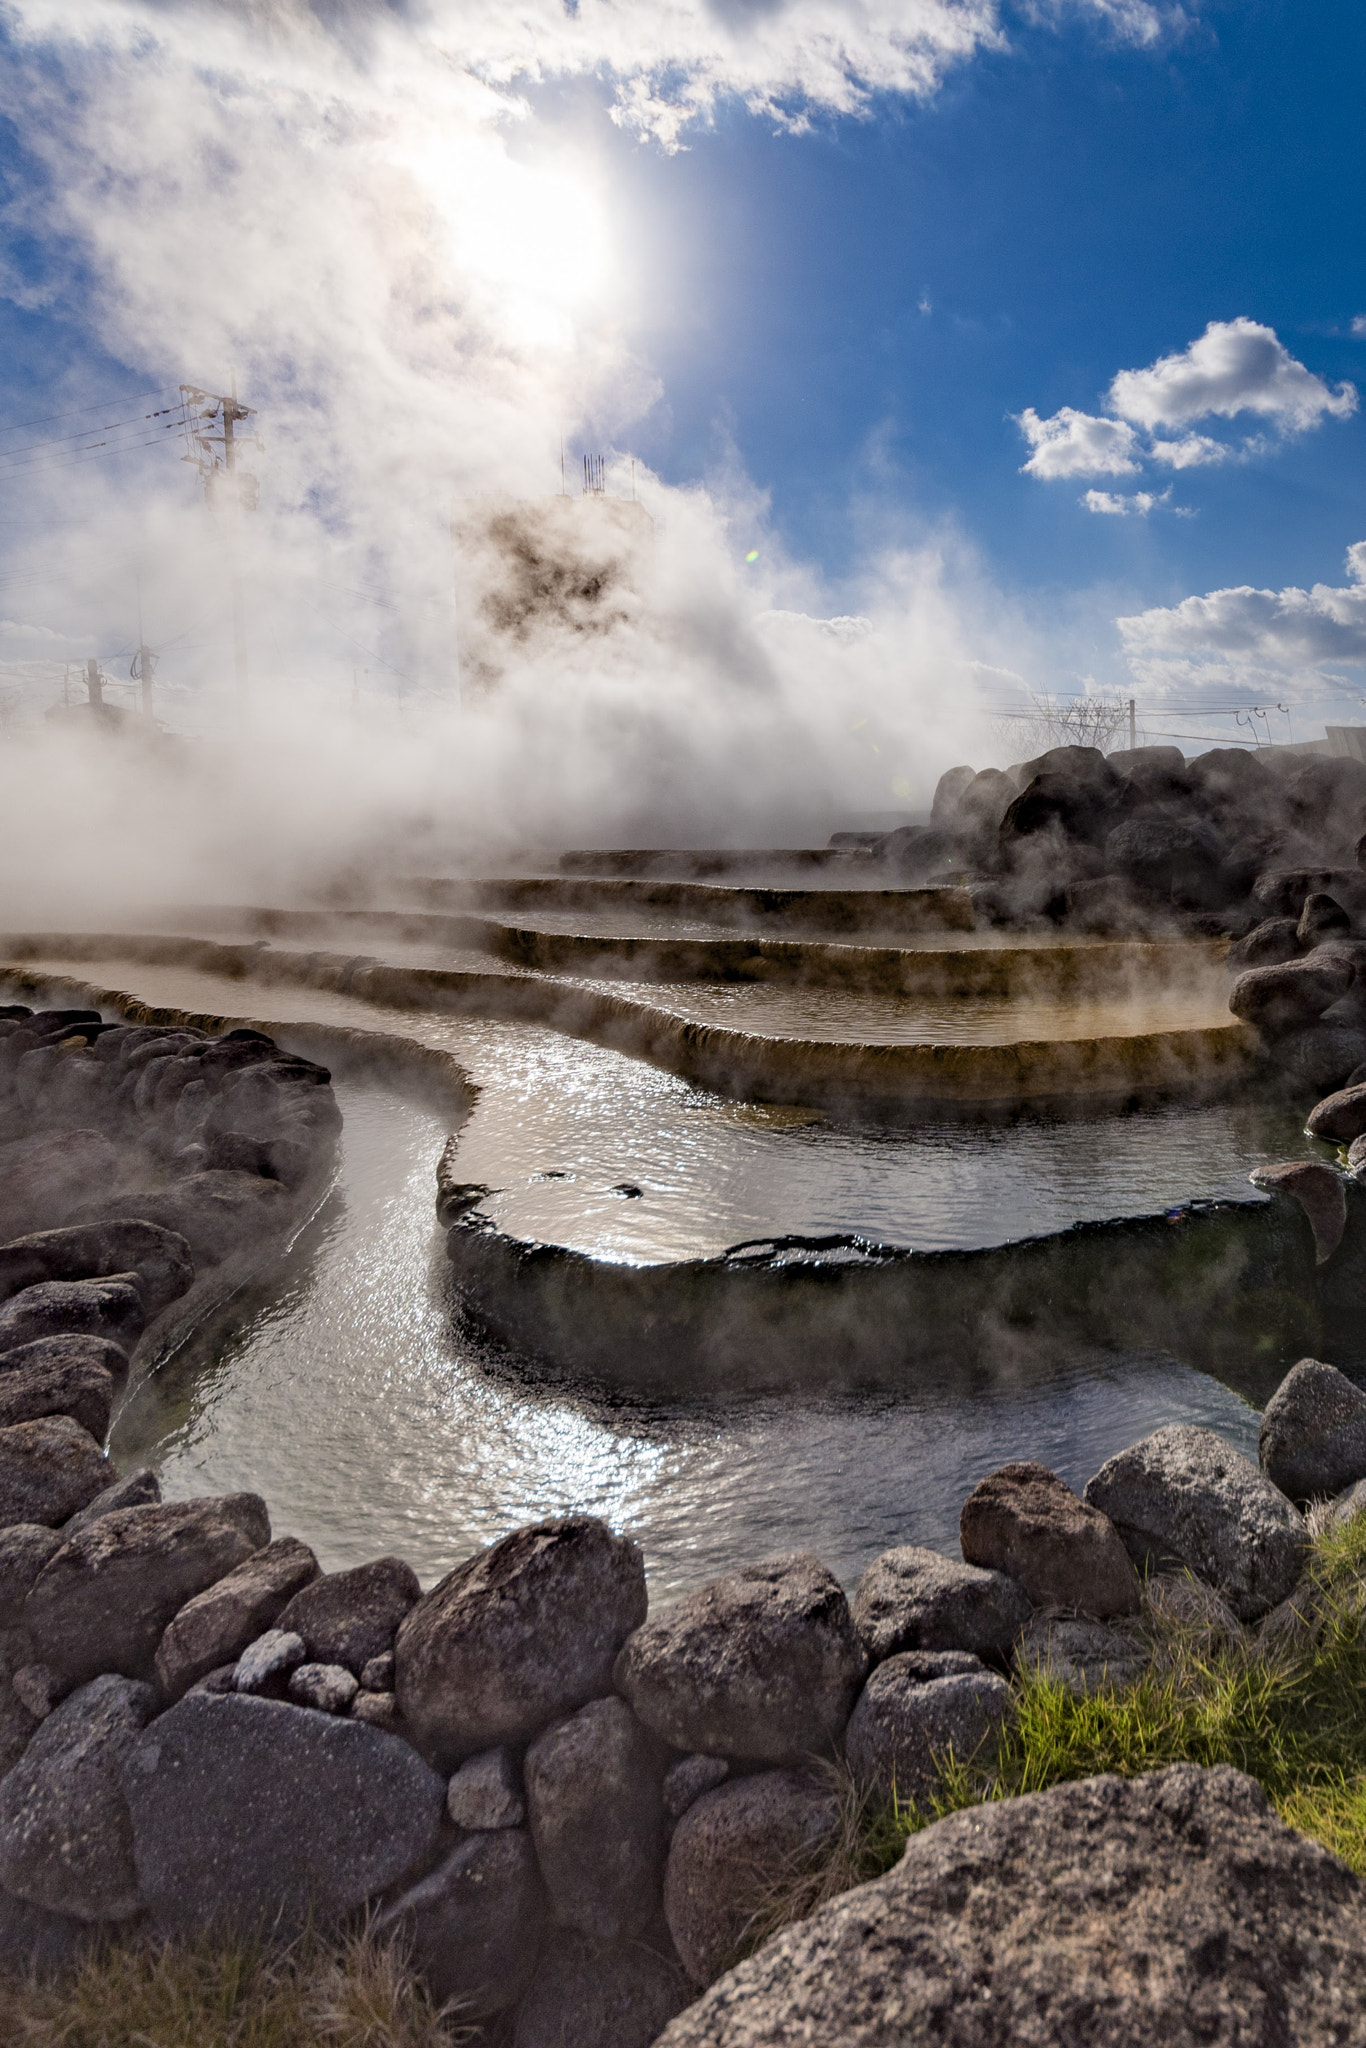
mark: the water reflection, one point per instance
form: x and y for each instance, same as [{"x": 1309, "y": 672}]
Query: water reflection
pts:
[{"x": 372, "y": 1422}]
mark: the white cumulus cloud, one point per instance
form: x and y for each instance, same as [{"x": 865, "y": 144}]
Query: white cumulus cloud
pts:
[
  {"x": 1236, "y": 366},
  {"x": 1072, "y": 443},
  {"x": 1279, "y": 630},
  {"x": 1136, "y": 505}
]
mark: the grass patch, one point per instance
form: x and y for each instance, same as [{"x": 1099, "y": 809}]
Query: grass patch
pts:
[
  {"x": 218, "y": 1993},
  {"x": 1290, "y": 1712}
]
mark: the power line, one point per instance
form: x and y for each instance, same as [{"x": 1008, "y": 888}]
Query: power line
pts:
[
  {"x": 108, "y": 427},
  {"x": 96, "y": 405}
]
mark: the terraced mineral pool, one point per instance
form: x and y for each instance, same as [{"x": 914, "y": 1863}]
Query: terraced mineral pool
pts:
[{"x": 354, "y": 1398}]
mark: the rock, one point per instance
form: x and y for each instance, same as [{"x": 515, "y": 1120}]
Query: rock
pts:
[
  {"x": 1312, "y": 1441},
  {"x": 1184, "y": 1495},
  {"x": 140, "y": 1489},
  {"x": 1269, "y": 944},
  {"x": 486, "y": 1792},
  {"x": 218, "y": 1625},
  {"x": 592, "y": 1994},
  {"x": 103, "y": 1602},
  {"x": 688, "y": 1779},
  {"x": 65, "y": 1840},
  {"x": 48, "y": 1469},
  {"x": 1024, "y": 1521},
  {"x": 349, "y": 1617},
  {"x": 1084, "y": 1656},
  {"x": 25, "y": 1547},
  {"x": 728, "y": 1851},
  {"x": 44, "y": 1179},
  {"x": 249, "y": 1813},
  {"x": 216, "y": 1682},
  {"x": 948, "y": 792},
  {"x": 597, "y": 1819},
  {"x": 1319, "y": 1192},
  {"x": 1170, "y": 857},
  {"x": 1320, "y": 916},
  {"x": 1279, "y": 1000},
  {"x": 36, "y": 1689},
  {"x": 122, "y": 1244},
  {"x": 914, "y": 1599},
  {"x": 519, "y": 1635},
  {"x": 16, "y": 1726},
  {"x": 916, "y": 1710},
  {"x": 1172, "y": 1909},
  {"x": 219, "y": 1212},
  {"x": 48, "y": 1945},
  {"x": 330, "y": 1688},
  {"x": 111, "y": 1309},
  {"x": 1351, "y": 1504},
  {"x": 764, "y": 1663},
  {"x": 378, "y": 1710},
  {"x": 377, "y": 1673},
  {"x": 1340, "y": 1117},
  {"x": 266, "y": 1664},
  {"x": 1325, "y": 1055},
  {"x": 474, "y": 1925},
  {"x": 1180, "y": 1600},
  {"x": 47, "y": 1379}
]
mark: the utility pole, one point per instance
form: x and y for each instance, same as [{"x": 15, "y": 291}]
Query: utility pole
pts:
[
  {"x": 1132, "y": 740},
  {"x": 94, "y": 681},
  {"x": 234, "y": 489},
  {"x": 144, "y": 662}
]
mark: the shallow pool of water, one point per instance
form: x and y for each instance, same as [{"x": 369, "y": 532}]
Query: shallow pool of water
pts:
[{"x": 354, "y": 1399}]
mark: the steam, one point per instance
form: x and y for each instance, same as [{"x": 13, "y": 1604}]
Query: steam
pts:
[{"x": 359, "y": 214}]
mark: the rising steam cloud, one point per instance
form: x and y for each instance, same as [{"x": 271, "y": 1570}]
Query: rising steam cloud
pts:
[{"x": 358, "y": 211}]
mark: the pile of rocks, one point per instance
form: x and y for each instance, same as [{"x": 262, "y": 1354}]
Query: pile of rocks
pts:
[
  {"x": 1145, "y": 838},
  {"x": 570, "y": 1810}
]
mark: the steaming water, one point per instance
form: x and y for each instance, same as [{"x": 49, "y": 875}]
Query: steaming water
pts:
[
  {"x": 351, "y": 1395},
  {"x": 352, "y": 1398}
]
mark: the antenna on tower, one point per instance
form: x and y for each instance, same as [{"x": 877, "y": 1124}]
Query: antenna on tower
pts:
[{"x": 594, "y": 477}]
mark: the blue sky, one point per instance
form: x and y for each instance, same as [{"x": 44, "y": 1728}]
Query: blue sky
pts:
[{"x": 852, "y": 301}]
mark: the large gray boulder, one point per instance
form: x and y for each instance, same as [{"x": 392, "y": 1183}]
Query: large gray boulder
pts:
[
  {"x": 764, "y": 1663},
  {"x": 1319, "y": 1191},
  {"x": 1340, "y": 1117},
  {"x": 216, "y": 1626},
  {"x": 349, "y": 1617},
  {"x": 1312, "y": 1441},
  {"x": 66, "y": 1843},
  {"x": 44, "y": 1179},
  {"x": 1025, "y": 1521},
  {"x": 521, "y": 1634},
  {"x": 1168, "y": 1911},
  {"x": 48, "y": 1469},
  {"x": 914, "y": 1599},
  {"x": 255, "y": 1814},
  {"x": 1279, "y": 1000},
  {"x": 103, "y": 1602},
  {"x": 111, "y": 1309},
  {"x": 17, "y": 1723},
  {"x": 220, "y": 1211},
  {"x": 730, "y": 1850},
  {"x": 89, "y": 1251},
  {"x": 594, "y": 1801},
  {"x": 918, "y": 1709},
  {"x": 486, "y": 1792},
  {"x": 137, "y": 1489},
  {"x": 595, "y": 1994},
  {"x": 473, "y": 1926},
  {"x": 61, "y": 1376},
  {"x": 25, "y": 1547},
  {"x": 1183, "y": 1496}
]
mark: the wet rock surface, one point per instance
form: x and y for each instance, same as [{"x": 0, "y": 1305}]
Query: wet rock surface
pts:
[
  {"x": 727, "y": 1852},
  {"x": 524, "y": 1632},
  {"x": 918, "y": 1710},
  {"x": 1312, "y": 1441},
  {"x": 914, "y": 1599},
  {"x": 255, "y": 1813},
  {"x": 1074, "y": 1894},
  {"x": 1026, "y": 1522},
  {"x": 1184, "y": 1496},
  {"x": 762, "y": 1664}
]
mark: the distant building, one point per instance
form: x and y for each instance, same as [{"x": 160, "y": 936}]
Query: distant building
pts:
[
  {"x": 1347, "y": 741},
  {"x": 531, "y": 571}
]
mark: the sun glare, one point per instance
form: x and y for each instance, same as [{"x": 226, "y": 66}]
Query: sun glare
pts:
[{"x": 532, "y": 238}]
